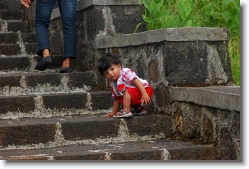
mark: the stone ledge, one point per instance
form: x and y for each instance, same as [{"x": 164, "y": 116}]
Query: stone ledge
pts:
[
  {"x": 83, "y": 4},
  {"x": 222, "y": 97},
  {"x": 168, "y": 34}
]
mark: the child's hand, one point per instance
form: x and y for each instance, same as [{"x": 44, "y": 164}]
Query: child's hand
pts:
[
  {"x": 109, "y": 115},
  {"x": 145, "y": 99}
]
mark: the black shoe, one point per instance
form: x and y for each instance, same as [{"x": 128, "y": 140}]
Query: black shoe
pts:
[
  {"x": 66, "y": 70},
  {"x": 43, "y": 64}
]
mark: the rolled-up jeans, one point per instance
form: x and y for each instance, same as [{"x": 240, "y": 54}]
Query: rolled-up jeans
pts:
[{"x": 67, "y": 9}]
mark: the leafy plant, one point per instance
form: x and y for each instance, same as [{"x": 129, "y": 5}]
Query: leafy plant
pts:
[{"x": 160, "y": 14}]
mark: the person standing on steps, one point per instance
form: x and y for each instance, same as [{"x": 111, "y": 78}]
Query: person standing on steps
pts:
[
  {"x": 127, "y": 88},
  {"x": 42, "y": 20}
]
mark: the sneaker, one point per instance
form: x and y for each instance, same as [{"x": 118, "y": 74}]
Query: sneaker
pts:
[
  {"x": 43, "y": 64},
  {"x": 124, "y": 114}
]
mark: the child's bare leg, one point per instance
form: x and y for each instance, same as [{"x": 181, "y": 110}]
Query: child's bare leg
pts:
[{"x": 126, "y": 101}]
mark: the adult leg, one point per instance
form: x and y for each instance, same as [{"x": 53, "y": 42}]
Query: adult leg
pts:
[
  {"x": 42, "y": 20},
  {"x": 68, "y": 16}
]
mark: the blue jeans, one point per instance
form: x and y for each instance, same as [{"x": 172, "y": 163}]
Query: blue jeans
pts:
[{"x": 68, "y": 16}]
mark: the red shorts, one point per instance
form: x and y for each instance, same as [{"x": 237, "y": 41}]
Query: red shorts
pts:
[{"x": 136, "y": 95}]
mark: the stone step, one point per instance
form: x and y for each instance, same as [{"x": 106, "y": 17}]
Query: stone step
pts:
[
  {"x": 14, "y": 84},
  {"x": 17, "y": 49},
  {"x": 10, "y": 5},
  {"x": 141, "y": 150},
  {"x": 49, "y": 132},
  {"x": 10, "y": 49},
  {"x": 3, "y": 5},
  {"x": 26, "y": 63},
  {"x": 14, "y": 26},
  {"x": 9, "y": 38},
  {"x": 28, "y": 37},
  {"x": 11, "y": 14},
  {"x": 13, "y": 38},
  {"x": 54, "y": 104}
]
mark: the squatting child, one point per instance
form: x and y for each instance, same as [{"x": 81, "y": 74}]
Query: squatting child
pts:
[{"x": 127, "y": 88}]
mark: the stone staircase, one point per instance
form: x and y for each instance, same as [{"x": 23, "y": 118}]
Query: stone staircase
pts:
[{"x": 52, "y": 116}]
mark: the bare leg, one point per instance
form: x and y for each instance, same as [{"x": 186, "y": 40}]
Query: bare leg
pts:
[
  {"x": 45, "y": 53},
  {"x": 126, "y": 101},
  {"x": 66, "y": 63}
]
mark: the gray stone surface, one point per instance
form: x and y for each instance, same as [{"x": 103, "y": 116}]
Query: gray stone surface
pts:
[
  {"x": 81, "y": 130},
  {"x": 169, "y": 34},
  {"x": 222, "y": 97},
  {"x": 156, "y": 150}
]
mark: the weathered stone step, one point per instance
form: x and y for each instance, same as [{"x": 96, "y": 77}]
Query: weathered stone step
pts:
[
  {"x": 14, "y": 84},
  {"x": 13, "y": 38},
  {"x": 14, "y": 26},
  {"x": 10, "y": 5},
  {"x": 11, "y": 14},
  {"x": 26, "y": 63},
  {"x": 144, "y": 150},
  {"x": 15, "y": 49},
  {"x": 28, "y": 37},
  {"x": 9, "y": 38},
  {"x": 10, "y": 49},
  {"x": 3, "y": 5},
  {"x": 80, "y": 130},
  {"x": 54, "y": 104}
]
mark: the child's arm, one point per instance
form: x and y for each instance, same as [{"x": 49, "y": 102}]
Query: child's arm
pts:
[
  {"x": 114, "y": 108},
  {"x": 145, "y": 99}
]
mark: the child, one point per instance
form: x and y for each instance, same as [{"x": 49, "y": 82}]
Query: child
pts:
[{"x": 127, "y": 88}]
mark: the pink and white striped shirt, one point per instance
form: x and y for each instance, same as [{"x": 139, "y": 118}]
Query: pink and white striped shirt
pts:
[{"x": 124, "y": 81}]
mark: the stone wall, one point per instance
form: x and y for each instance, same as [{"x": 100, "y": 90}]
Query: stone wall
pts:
[
  {"x": 208, "y": 115},
  {"x": 173, "y": 56},
  {"x": 169, "y": 59}
]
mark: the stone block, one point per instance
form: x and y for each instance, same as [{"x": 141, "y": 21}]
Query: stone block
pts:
[
  {"x": 185, "y": 62},
  {"x": 10, "y": 63},
  {"x": 11, "y": 81},
  {"x": 10, "y": 49},
  {"x": 209, "y": 96},
  {"x": 227, "y": 150},
  {"x": 162, "y": 95},
  {"x": 21, "y": 26},
  {"x": 8, "y": 38},
  {"x": 158, "y": 125},
  {"x": 65, "y": 101},
  {"x": 17, "y": 103},
  {"x": 26, "y": 134},
  {"x": 3, "y": 5},
  {"x": 208, "y": 130},
  {"x": 28, "y": 37},
  {"x": 89, "y": 128},
  {"x": 33, "y": 80},
  {"x": 191, "y": 119},
  {"x": 11, "y": 5},
  {"x": 30, "y": 48},
  {"x": 101, "y": 100},
  {"x": 80, "y": 80},
  {"x": 11, "y": 15}
]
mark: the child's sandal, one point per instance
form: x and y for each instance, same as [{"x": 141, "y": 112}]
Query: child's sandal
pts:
[
  {"x": 123, "y": 113},
  {"x": 138, "y": 111}
]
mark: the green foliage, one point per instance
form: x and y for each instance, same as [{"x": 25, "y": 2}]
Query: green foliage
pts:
[{"x": 160, "y": 14}]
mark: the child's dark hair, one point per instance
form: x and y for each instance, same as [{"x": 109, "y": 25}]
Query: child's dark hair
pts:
[{"x": 106, "y": 61}]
